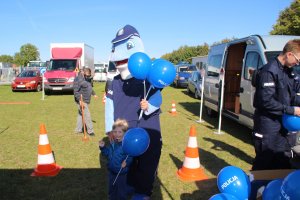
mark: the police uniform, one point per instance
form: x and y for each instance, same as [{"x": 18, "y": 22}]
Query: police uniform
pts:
[{"x": 274, "y": 96}]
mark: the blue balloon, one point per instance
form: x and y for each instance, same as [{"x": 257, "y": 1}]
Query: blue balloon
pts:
[
  {"x": 291, "y": 122},
  {"x": 234, "y": 181},
  {"x": 223, "y": 196},
  {"x": 135, "y": 141},
  {"x": 290, "y": 188},
  {"x": 139, "y": 65},
  {"x": 272, "y": 190},
  {"x": 162, "y": 73}
]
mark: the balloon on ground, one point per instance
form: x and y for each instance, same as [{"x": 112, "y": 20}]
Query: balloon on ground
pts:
[
  {"x": 272, "y": 190},
  {"x": 234, "y": 181},
  {"x": 290, "y": 188}
]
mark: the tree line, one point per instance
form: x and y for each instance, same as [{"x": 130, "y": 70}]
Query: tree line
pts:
[{"x": 288, "y": 23}]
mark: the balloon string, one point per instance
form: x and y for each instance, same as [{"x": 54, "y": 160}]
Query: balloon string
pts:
[
  {"x": 141, "y": 113},
  {"x": 145, "y": 89},
  {"x": 119, "y": 171}
]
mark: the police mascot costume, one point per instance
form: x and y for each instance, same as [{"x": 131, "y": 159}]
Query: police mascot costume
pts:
[{"x": 124, "y": 96}]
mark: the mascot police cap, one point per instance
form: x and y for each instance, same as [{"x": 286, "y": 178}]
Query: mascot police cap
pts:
[
  {"x": 126, "y": 43},
  {"x": 125, "y": 33}
]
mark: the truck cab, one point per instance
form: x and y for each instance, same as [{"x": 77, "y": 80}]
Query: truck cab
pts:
[{"x": 66, "y": 60}]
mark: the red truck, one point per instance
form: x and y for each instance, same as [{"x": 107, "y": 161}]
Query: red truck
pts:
[{"x": 66, "y": 60}]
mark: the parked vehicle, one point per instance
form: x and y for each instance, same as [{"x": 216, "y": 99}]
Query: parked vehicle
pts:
[
  {"x": 66, "y": 60},
  {"x": 28, "y": 80},
  {"x": 100, "y": 71},
  {"x": 234, "y": 62},
  {"x": 199, "y": 61},
  {"x": 111, "y": 73},
  {"x": 36, "y": 64},
  {"x": 183, "y": 72},
  {"x": 194, "y": 84}
]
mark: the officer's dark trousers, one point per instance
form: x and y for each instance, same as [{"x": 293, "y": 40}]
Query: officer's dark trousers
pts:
[{"x": 270, "y": 149}]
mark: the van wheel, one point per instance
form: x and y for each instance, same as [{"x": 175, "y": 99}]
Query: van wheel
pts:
[
  {"x": 197, "y": 96},
  {"x": 210, "y": 112}
]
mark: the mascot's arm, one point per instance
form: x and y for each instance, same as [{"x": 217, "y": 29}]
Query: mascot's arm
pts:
[
  {"x": 154, "y": 102},
  {"x": 109, "y": 115}
]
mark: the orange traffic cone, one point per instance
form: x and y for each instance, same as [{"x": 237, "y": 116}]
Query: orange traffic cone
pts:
[
  {"x": 173, "y": 109},
  {"x": 46, "y": 164},
  {"x": 191, "y": 169},
  {"x": 104, "y": 98}
]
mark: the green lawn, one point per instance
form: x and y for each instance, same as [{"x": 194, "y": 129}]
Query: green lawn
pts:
[{"x": 84, "y": 174}]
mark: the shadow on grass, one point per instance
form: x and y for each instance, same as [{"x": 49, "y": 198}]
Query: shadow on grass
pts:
[
  {"x": 68, "y": 184},
  {"x": 3, "y": 130},
  {"x": 222, "y": 146},
  {"x": 206, "y": 188},
  {"x": 231, "y": 127}
]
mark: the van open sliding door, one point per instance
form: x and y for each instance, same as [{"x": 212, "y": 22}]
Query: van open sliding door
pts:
[{"x": 233, "y": 72}]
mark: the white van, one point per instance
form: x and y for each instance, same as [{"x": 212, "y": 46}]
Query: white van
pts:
[
  {"x": 235, "y": 61},
  {"x": 100, "y": 71},
  {"x": 111, "y": 73}
]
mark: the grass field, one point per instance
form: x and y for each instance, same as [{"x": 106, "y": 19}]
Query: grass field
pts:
[{"x": 84, "y": 174}]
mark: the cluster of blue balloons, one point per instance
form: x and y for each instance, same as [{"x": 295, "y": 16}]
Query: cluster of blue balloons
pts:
[
  {"x": 233, "y": 183},
  {"x": 160, "y": 73},
  {"x": 135, "y": 142},
  {"x": 291, "y": 122},
  {"x": 288, "y": 188}
]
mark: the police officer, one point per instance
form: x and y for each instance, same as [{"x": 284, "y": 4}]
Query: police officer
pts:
[{"x": 276, "y": 87}]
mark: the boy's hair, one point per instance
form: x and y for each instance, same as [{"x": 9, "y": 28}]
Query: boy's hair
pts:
[
  {"x": 292, "y": 46},
  {"x": 121, "y": 123}
]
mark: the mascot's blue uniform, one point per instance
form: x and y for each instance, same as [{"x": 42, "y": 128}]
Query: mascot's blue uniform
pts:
[{"x": 123, "y": 101}]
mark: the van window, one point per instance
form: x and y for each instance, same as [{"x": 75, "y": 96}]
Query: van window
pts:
[
  {"x": 272, "y": 54},
  {"x": 214, "y": 65},
  {"x": 253, "y": 62}
]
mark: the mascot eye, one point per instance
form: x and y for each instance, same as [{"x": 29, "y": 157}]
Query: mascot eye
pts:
[{"x": 130, "y": 45}]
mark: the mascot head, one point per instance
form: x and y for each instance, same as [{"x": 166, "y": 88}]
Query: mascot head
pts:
[{"x": 126, "y": 43}]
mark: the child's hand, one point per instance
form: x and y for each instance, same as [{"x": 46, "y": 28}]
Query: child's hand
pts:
[
  {"x": 110, "y": 136},
  {"x": 144, "y": 104},
  {"x": 101, "y": 143},
  {"x": 123, "y": 164}
]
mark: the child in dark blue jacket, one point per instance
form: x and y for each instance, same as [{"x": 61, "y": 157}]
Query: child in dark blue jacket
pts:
[{"x": 118, "y": 162}]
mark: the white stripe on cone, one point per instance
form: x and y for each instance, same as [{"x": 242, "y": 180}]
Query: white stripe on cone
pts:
[
  {"x": 193, "y": 142},
  {"x": 45, "y": 159},
  {"x": 43, "y": 139},
  {"x": 192, "y": 163}
]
